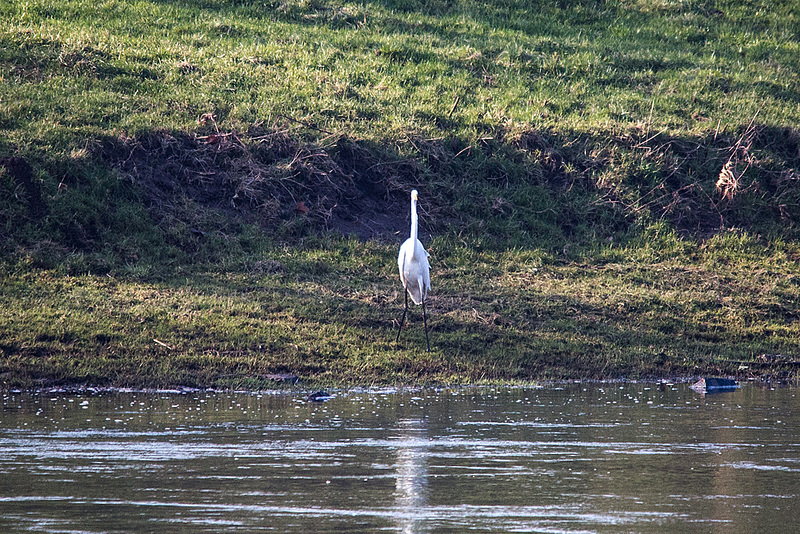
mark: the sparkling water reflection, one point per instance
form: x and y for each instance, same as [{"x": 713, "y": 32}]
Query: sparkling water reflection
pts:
[{"x": 576, "y": 458}]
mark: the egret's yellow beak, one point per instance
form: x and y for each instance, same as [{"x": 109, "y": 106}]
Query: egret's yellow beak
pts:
[{"x": 414, "y": 194}]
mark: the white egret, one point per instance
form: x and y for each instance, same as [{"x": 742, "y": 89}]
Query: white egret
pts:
[{"x": 414, "y": 271}]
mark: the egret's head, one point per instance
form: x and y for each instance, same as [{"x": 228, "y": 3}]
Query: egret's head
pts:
[{"x": 414, "y": 195}]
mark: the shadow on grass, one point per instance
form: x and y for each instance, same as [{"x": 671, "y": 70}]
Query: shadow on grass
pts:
[
  {"x": 172, "y": 198},
  {"x": 605, "y": 181}
]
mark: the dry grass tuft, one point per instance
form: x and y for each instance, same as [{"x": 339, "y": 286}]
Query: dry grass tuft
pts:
[{"x": 728, "y": 181}]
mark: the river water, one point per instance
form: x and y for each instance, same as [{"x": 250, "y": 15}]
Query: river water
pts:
[{"x": 562, "y": 458}]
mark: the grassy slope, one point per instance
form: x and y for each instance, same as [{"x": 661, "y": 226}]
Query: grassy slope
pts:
[{"x": 560, "y": 149}]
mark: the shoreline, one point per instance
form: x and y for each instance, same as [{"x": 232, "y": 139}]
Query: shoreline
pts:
[{"x": 299, "y": 389}]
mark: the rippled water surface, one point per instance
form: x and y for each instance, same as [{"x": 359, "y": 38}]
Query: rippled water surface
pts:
[{"x": 571, "y": 458}]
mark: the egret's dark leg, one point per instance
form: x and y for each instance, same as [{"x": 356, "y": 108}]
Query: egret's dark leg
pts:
[
  {"x": 405, "y": 309},
  {"x": 425, "y": 321}
]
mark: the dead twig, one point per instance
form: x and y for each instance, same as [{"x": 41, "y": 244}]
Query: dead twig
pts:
[
  {"x": 163, "y": 344},
  {"x": 453, "y": 107}
]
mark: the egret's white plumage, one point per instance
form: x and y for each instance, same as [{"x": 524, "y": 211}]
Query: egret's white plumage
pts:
[
  {"x": 413, "y": 261},
  {"x": 414, "y": 269}
]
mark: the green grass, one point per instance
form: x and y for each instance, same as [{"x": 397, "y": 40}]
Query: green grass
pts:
[
  {"x": 384, "y": 70},
  {"x": 567, "y": 156},
  {"x": 495, "y": 108},
  {"x": 328, "y": 313}
]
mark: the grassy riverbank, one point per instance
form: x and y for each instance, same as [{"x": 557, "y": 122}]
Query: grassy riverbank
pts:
[
  {"x": 327, "y": 314},
  {"x": 210, "y": 192}
]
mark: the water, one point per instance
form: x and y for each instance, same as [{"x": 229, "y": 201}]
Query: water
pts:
[{"x": 574, "y": 458}]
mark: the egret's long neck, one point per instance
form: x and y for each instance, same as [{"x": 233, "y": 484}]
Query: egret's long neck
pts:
[{"x": 413, "y": 219}]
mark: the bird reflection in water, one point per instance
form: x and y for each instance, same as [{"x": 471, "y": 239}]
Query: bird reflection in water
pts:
[{"x": 411, "y": 484}]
